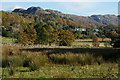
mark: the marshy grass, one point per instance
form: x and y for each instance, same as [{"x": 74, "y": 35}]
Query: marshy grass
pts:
[
  {"x": 49, "y": 62},
  {"x": 12, "y": 55},
  {"x": 79, "y": 59}
]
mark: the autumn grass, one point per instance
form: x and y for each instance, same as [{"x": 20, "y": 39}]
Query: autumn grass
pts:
[
  {"x": 89, "y": 44},
  {"x": 79, "y": 59},
  {"x": 79, "y": 42},
  {"x": 43, "y": 62}
]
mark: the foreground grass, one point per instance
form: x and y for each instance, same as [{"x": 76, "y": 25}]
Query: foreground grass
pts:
[
  {"x": 45, "y": 62},
  {"x": 63, "y": 71}
]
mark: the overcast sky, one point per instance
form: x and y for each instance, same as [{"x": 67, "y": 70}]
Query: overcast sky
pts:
[{"x": 77, "y": 8}]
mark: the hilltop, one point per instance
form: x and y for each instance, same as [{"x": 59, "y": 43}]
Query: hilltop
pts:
[{"x": 93, "y": 20}]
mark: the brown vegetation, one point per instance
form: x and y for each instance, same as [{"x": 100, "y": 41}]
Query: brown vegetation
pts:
[{"x": 35, "y": 58}]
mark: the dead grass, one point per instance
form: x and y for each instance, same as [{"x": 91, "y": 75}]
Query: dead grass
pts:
[
  {"x": 36, "y": 58},
  {"x": 90, "y": 40},
  {"x": 76, "y": 59},
  {"x": 40, "y": 55}
]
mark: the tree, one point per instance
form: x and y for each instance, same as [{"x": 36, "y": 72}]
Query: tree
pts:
[
  {"x": 115, "y": 38},
  {"x": 77, "y": 34},
  {"x": 43, "y": 37},
  {"x": 43, "y": 32},
  {"x": 6, "y": 32},
  {"x": 28, "y": 36},
  {"x": 65, "y": 38},
  {"x": 95, "y": 41},
  {"x": 53, "y": 37}
]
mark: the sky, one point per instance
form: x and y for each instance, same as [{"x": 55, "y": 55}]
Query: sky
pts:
[
  {"x": 60, "y": 0},
  {"x": 77, "y": 8}
]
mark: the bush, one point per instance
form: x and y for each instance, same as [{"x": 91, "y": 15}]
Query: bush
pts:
[
  {"x": 26, "y": 62},
  {"x": 5, "y": 62},
  {"x": 106, "y": 44},
  {"x": 115, "y": 38},
  {"x": 96, "y": 44},
  {"x": 11, "y": 70},
  {"x": 95, "y": 41},
  {"x": 35, "y": 61},
  {"x": 117, "y": 44},
  {"x": 34, "y": 65},
  {"x": 17, "y": 61},
  {"x": 86, "y": 59}
]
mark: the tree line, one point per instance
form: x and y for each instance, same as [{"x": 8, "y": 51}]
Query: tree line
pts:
[{"x": 51, "y": 29}]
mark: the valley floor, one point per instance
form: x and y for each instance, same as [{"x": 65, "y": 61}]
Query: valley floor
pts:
[
  {"x": 108, "y": 70},
  {"x": 59, "y": 62}
]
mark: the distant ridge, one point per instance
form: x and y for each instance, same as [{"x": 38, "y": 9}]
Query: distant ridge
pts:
[{"x": 93, "y": 20}]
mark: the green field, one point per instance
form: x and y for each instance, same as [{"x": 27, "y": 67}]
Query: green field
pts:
[
  {"x": 75, "y": 43},
  {"x": 89, "y": 44},
  {"x": 63, "y": 71},
  {"x": 6, "y": 40}
]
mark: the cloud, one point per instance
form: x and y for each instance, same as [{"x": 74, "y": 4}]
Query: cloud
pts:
[{"x": 15, "y": 7}]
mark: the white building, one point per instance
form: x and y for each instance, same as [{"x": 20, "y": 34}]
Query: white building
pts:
[{"x": 80, "y": 29}]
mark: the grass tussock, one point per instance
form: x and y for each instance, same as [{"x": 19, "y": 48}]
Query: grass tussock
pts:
[
  {"x": 12, "y": 56},
  {"x": 18, "y": 61},
  {"x": 70, "y": 58}
]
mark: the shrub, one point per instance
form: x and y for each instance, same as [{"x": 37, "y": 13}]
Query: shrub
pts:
[
  {"x": 115, "y": 38},
  {"x": 35, "y": 61},
  {"x": 96, "y": 44},
  {"x": 5, "y": 50},
  {"x": 5, "y": 62},
  {"x": 11, "y": 70},
  {"x": 95, "y": 41},
  {"x": 106, "y": 44},
  {"x": 17, "y": 61},
  {"x": 26, "y": 62},
  {"x": 99, "y": 60},
  {"x": 117, "y": 44},
  {"x": 86, "y": 59},
  {"x": 34, "y": 65}
]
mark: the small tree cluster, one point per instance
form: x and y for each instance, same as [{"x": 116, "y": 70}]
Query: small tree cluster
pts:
[
  {"x": 27, "y": 36},
  {"x": 44, "y": 34},
  {"x": 115, "y": 38},
  {"x": 95, "y": 40},
  {"x": 65, "y": 38}
]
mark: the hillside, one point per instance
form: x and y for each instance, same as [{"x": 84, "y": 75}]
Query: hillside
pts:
[
  {"x": 93, "y": 20},
  {"x": 36, "y": 26},
  {"x": 105, "y": 19}
]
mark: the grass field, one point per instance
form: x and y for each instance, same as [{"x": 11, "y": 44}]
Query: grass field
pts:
[
  {"x": 6, "y": 40},
  {"x": 46, "y": 62},
  {"x": 77, "y": 43},
  {"x": 81, "y": 60},
  {"x": 89, "y": 43},
  {"x": 109, "y": 70}
]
